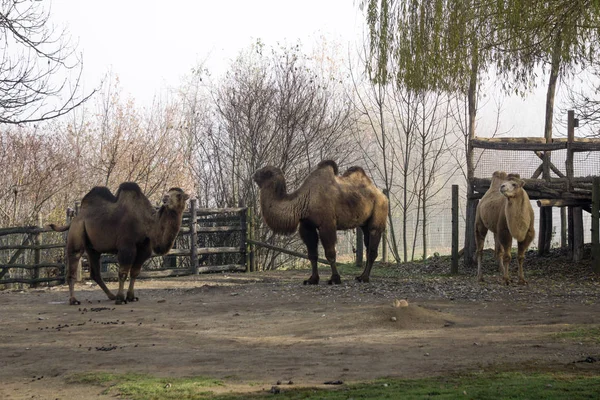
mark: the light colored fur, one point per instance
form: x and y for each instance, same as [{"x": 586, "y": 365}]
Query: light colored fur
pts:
[{"x": 506, "y": 211}]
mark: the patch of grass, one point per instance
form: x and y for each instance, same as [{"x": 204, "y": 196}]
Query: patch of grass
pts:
[
  {"x": 136, "y": 386},
  {"x": 581, "y": 333},
  {"x": 507, "y": 385}
]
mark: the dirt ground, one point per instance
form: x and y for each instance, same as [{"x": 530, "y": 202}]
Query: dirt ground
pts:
[{"x": 252, "y": 330}]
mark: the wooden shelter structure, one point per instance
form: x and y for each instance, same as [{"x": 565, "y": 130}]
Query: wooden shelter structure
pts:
[{"x": 558, "y": 172}]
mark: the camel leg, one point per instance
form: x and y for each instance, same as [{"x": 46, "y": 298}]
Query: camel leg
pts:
[
  {"x": 73, "y": 262},
  {"x": 126, "y": 257},
  {"x": 75, "y": 249},
  {"x": 372, "y": 237},
  {"x": 504, "y": 256},
  {"x": 142, "y": 255},
  {"x": 95, "y": 274},
  {"x": 328, "y": 239},
  {"x": 310, "y": 237},
  {"x": 523, "y": 246},
  {"x": 480, "y": 233}
]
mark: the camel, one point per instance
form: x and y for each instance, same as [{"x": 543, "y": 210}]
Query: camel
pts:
[
  {"x": 505, "y": 210},
  {"x": 322, "y": 205},
  {"x": 126, "y": 225}
]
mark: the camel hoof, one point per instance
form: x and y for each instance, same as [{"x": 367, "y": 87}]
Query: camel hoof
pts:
[
  {"x": 120, "y": 301},
  {"x": 523, "y": 282},
  {"x": 364, "y": 279},
  {"x": 133, "y": 298},
  {"x": 311, "y": 281},
  {"x": 111, "y": 297},
  {"x": 74, "y": 302},
  {"x": 335, "y": 279}
]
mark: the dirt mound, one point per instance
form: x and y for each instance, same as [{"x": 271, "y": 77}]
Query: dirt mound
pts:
[{"x": 414, "y": 316}]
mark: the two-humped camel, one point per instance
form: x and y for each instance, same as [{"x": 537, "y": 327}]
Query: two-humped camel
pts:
[
  {"x": 322, "y": 205},
  {"x": 505, "y": 210},
  {"x": 126, "y": 225}
]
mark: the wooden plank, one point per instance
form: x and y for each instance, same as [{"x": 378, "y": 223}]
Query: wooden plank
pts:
[
  {"x": 211, "y": 229},
  {"x": 13, "y": 258},
  {"x": 33, "y": 266},
  {"x": 149, "y": 274},
  {"x": 561, "y": 202},
  {"x": 29, "y": 281},
  {"x": 504, "y": 144},
  {"x": 33, "y": 247},
  {"x": 211, "y": 211},
  {"x": 286, "y": 251},
  {"x": 222, "y": 268}
]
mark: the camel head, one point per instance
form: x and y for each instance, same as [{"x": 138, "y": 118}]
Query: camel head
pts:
[
  {"x": 267, "y": 174},
  {"x": 175, "y": 199},
  {"x": 512, "y": 186}
]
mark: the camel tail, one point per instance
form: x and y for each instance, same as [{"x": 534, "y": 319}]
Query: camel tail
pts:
[{"x": 59, "y": 228}]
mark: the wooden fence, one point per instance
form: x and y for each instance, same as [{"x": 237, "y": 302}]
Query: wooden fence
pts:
[
  {"x": 548, "y": 184},
  {"x": 210, "y": 240}
]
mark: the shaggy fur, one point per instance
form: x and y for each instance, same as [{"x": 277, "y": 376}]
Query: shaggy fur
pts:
[
  {"x": 324, "y": 204},
  {"x": 126, "y": 225},
  {"x": 505, "y": 210}
]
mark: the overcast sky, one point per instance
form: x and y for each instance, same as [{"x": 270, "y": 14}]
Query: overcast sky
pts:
[{"x": 151, "y": 44}]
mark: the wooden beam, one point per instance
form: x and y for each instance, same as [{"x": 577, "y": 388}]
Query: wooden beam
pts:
[{"x": 562, "y": 202}]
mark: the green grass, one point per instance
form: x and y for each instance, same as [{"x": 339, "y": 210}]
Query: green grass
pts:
[
  {"x": 509, "y": 385},
  {"x": 137, "y": 386},
  {"x": 581, "y": 333}
]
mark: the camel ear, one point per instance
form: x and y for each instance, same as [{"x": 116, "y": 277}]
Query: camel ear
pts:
[{"x": 186, "y": 196}]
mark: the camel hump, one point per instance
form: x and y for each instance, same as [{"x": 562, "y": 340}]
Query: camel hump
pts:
[
  {"x": 354, "y": 169},
  {"x": 129, "y": 187},
  {"x": 329, "y": 163},
  {"x": 99, "y": 192}
]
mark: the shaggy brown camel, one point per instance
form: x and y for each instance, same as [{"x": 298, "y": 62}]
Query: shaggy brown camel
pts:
[
  {"x": 324, "y": 204},
  {"x": 126, "y": 225},
  {"x": 505, "y": 210}
]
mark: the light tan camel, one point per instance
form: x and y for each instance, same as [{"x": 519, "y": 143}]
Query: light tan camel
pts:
[
  {"x": 324, "y": 204},
  {"x": 126, "y": 225},
  {"x": 505, "y": 210}
]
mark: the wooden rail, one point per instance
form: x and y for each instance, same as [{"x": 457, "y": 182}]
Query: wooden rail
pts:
[{"x": 191, "y": 227}]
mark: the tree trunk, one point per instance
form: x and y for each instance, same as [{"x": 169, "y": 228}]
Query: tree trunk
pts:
[
  {"x": 471, "y": 204},
  {"x": 545, "y": 225}
]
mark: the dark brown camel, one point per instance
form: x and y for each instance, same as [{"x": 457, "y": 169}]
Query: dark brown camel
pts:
[
  {"x": 324, "y": 204},
  {"x": 126, "y": 225}
]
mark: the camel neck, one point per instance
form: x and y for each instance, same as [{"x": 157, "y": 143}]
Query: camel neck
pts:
[{"x": 167, "y": 228}]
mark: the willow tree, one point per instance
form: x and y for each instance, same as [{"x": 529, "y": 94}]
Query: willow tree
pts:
[{"x": 447, "y": 45}]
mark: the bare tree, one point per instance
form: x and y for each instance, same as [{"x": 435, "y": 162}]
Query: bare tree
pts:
[
  {"x": 274, "y": 108},
  {"x": 36, "y": 66}
]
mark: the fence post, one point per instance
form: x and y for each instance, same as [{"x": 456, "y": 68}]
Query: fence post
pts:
[
  {"x": 359, "y": 247},
  {"x": 454, "y": 266},
  {"x": 79, "y": 274},
  {"x": 250, "y": 235},
  {"x": 193, "y": 237},
  {"x": 596, "y": 225},
  {"x": 37, "y": 252},
  {"x": 243, "y": 236}
]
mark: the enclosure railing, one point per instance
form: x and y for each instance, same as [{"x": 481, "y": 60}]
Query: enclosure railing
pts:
[{"x": 210, "y": 240}]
